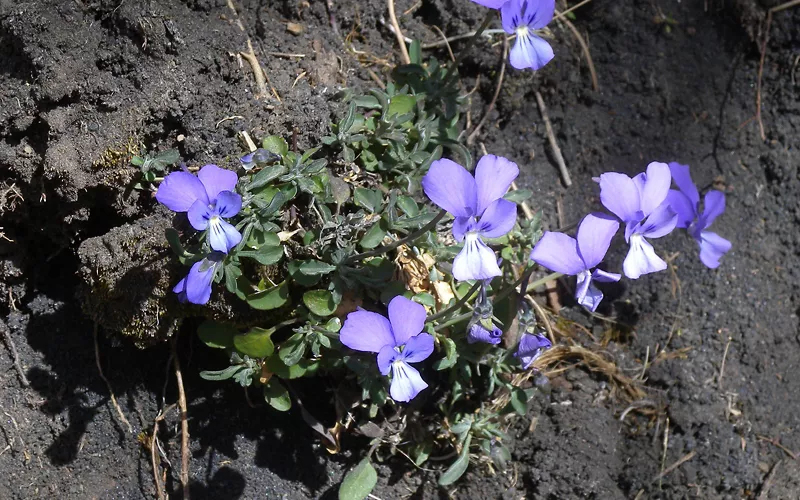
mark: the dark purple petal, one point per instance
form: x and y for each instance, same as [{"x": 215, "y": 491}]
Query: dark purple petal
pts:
[
  {"x": 475, "y": 261},
  {"x": 215, "y": 180},
  {"x": 386, "y": 357},
  {"x": 594, "y": 237},
  {"x": 477, "y": 333},
  {"x": 228, "y": 204},
  {"x": 619, "y": 194},
  {"x": 680, "y": 174},
  {"x": 418, "y": 348},
  {"x": 180, "y": 289},
  {"x": 179, "y": 190},
  {"x": 498, "y": 219},
  {"x": 641, "y": 259},
  {"x": 492, "y": 4},
  {"x": 713, "y": 207},
  {"x": 451, "y": 187},
  {"x": 538, "y": 13},
  {"x": 586, "y": 294},
  {"x": 510, "y": 16},
  {"x": 656, "y": 187},
  {"x": 712, "y": 248},
  {"x": 531, "y": 346},
  {"x": 605, "y": 277},
  {"x": 222, "y": 236},
  {"x": 558, "y": 252},
  {"x": 406, "y": 382},
  {"x": 493, "y": 177},
  {"x": 682, "y": 206},
  {"x": 199, "y": 214},
  {"x": 660, "y": 223},
  {"x": 461, "y": 226},
  {"x": 198, "y": 281},
  {"x": 366, "y": 331},
  {"x": 530, "y": 51},
  {"x": 407, "y": 319}
]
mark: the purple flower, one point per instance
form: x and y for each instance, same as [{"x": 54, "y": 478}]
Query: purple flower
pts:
[
  {"x": 492, "y": 4},
  {"x": 196, "y": 286},
  {"x": 564, "y": 254},
  {"x": 397, "y": 341},
  {"x": 686, "y": 203},
  {"x": 208, "y": 198},
  {"x": 641, "y": 203},
  {"x": 479, "y": 208},
  {"x": 522, "y": 17},
  {"x": 531, "y": 346},
  {"x": 477, "y": 333}
]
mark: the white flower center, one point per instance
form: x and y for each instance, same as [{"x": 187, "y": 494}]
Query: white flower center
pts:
[{"x": 522, "y": 31}]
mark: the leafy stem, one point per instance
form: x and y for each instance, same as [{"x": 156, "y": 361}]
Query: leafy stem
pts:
[{"x": 460, "y": 302}]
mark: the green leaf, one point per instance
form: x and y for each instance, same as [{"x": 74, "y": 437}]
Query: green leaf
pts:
[
  {"x": 425, "y": 299},
  {"x": 174, "y": 240},
  {"x": 415, "y": 52},
  {"x": 401, "y": 104},
  {"x": 216, "y": 335},
  {"x": 408, "y": 205},
  {"x": 320, "y": 302},
  {"x": 518, "y": 195},
  {"x": 265, "y": 176},
  {"x": 275, "y": 144},
  {"x": 315, "y": 268},
  {"x": 371, "y": 199},
  {"x": 256, "y": 343},
  {"x": 304, "y": 367},
  {"x": 292, "y": 349},
  {"x": 450, "y": 352},
  {"x": 276, "y": 395},
  {"x": 271, "y": 298},
  {"x": 420, "y": 452},
  {"x": 221, "y": 374},
  {"x": 519, "y": 401},
  {"x": 374, "y": 235},
  {"x": 333, "y": 325},
  {"x": 359, "y": 482},
  {"x": 266, "y": 255},
  {"x": 459, "y": 467},
  {"x": 340, "y": 190}
]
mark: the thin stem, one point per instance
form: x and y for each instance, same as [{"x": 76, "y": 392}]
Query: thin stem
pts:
[
  {"x": 543, "y": 281},
  {"x": 391, "y": 246},
  {"x": 460, "y": 302},
  {"x": 489, "y": 17}
]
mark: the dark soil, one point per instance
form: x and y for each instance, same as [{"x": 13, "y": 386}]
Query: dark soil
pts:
[{"x": 80, "y": 81}]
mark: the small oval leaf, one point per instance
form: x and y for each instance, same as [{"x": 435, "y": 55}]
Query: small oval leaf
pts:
[
  {"x": 359, "y": 482},
  {"x": 320, "y": 302},
  {"x": 256, "y": 343}
]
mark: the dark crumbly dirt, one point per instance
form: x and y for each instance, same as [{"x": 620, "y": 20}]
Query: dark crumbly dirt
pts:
[{"x": 81, "y": 83}]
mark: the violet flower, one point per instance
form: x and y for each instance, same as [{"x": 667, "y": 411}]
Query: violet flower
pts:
[
  {"x": 477, "y": 333},
  {"x": 531, "y": 346},
  {"x": 686, "y": 203},
  {"x": 196, "y": 286},
  {"x": 396, "y": 340},
  {"x": 492, "y": 4},
  {"x": 567, "y": 255},
  {"x": 521, "y": 17},
  {"x": 479, "y": 209},
  {"x": 641, "y": 203},
  {"x": 207, "y": 198}
]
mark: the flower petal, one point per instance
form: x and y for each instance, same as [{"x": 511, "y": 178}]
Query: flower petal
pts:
[
  {"x": 498, "y": 219},
  {"x": 179, "y": 190},
  {"x": 681, "y": 205},
  {"x": 493, "y": 177},
  {"x": 418, "y": 348},
  {"x": 594, "y": 237},
  {"x": 713, "y": 207},
  {"x": 605, "y": 277},
  {"x": 407, "y": 319},
  {"x": 492, "y": 4},
  {"x": 538, "y": 13},
  {"x": 366, "y": 331},
  {"x": 712, "y": 248},
  {"x": 530, "y": 51},
  {"x": 478, "y": 333},
  {"x": 656, "y": 186},
  {"x": 198, "y": 281},
  {"x": 451, "y": 187},
  {"x": 558, "y": 252},
  {"x": 406, "y": 382},
  {"x": 180, "y": 289},
  {"x": 386, "y": 357},
  {"x": 215, "y": 180},
  {"x": 619, "y": 194},
  {"x": 228, "y": 204},
  {"x": 586, "y": 294},
  {"x": 199, "y": 214},
  {"x": 221, "y": 235},
  {"x": 461, "y": 225},
  {"x": 660, "y": 223},
  {"x": 475, "y": 261},
  {"x": 531, "y": 346},
  {"x": 641, "y": 259},
  {"x": 680, "y": 174}
]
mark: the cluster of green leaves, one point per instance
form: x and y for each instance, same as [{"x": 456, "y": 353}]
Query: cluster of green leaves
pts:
[{"x": 153, "y": 166}]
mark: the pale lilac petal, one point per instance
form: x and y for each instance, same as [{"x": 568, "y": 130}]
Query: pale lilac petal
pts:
[
  {"x": 418, "y": 348},
  {"x": 530, "y": 51},
  {"x": 475, "y": 261},
  {"x": 180, "y": 289},
  {"x": 179, "y": 190},
  {"x": 582, "y": 284},
  {"x": 531, "y": 346},
  {"x": 222, "y": 236},
  {"x": 477, "y": 333},
  {"x": 682, "y": 205},
  {"x": 558, "y": 252},
  {"x": 228, "y": 204},
  {"x": 594, "y": 237},
  {"x": 619, "y": 194},
  {"x": 713, "y": 207},
  {"x": 198, "y": 281},
  {"x": 199, "y": 214},
  {"x": 215, "y": 180},
  {"x": 366, "y": 331},
  {"x": 538, "y": 12},
  {"x": 407, "y": 319},
  {"x": 641, "y": 259},
  {"x": 451, "y": 187},
  {"x": 605, "y": 277},
  {"x": 656, "y": 186},
  {"x": 510, "y": 16},
  {"x": 406, "y": 382},
  {"x": 247, "y": 161},
  {"x": 386, "y": 356},
  {"x": 712, "y": 248},
  {"x": 492, "y": 4},
  {"x": 462, "y": 225},
  {"x": 493, "y": 177},
  {"x": 498, "y": 219},
  {"x": 682, "y": 178},
  {"x": 660, "y": 223},
  {"x": 586, "y": 294}
]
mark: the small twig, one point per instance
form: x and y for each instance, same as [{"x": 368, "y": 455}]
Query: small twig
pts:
[
  {"x": 14, "y": 355},
  {"x": 184, "y": 420},
  {"x": 490, "y": 107},
  {"x": 446, "y": 43},
  {"x": 674, "y": 466},
  {"x": 376, "y": 79},
  {"x": 287, "y": 55},
  {"x": 660, "y": 476},
  {"x": 227, "y": 118},
  {"x": 764, "y": 490},
  {"x": 398, "y": 33},
  {"x": 562, "y": 15},
  {"x": 154, "y": 452},
  {"x": 722, "y": 365},
  {"x": 642, "y": 403},
  {"x": 562, "y": 167},
  {"x": 585, "y": 48},
  {"x": 543, "y": 317},
  {"x": 646, "y": 360},
  {"x": 108, "y": 384},
  {"x": 774, "y": 442}
]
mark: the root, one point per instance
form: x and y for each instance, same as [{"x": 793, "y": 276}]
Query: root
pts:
[
  {"x": 562, "y": 167},
  {"x": 108, "y": 384},
  {"x": 14, "y": 355},
  {"x": 184, "y": 420}
]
